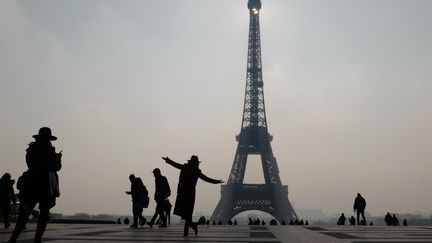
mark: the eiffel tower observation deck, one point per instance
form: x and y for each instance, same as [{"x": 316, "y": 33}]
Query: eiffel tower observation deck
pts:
[{"x": 254, "y": 139}]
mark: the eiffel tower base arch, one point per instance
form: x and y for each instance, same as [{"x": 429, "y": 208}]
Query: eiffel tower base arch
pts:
[{"x": 272, "y": 199}]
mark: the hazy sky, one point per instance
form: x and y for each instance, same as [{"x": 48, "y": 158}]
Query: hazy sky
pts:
[{"x": 122, "y": 83}]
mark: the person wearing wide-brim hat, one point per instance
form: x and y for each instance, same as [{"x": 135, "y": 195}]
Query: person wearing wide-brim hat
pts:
[
  {"x": 185, "y": 201},
  {"x": 40, "y": 183}
]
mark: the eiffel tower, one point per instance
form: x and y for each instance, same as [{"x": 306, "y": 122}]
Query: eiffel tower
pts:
[{"x": 254, "y": 139}]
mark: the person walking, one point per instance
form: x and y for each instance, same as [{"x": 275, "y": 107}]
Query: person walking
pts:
[
  {"x": 161, "y": 195},
  {"x": 359, "y": 206},
  {"x": 41, "y": 183},
  {"x": 185, "y": 201},
  {"x": 7, "y": 195},
  {"x": 139, "y": 195}
]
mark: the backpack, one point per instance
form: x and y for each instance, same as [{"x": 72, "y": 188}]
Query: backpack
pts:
[
  {"x": 23, "y": 181},
  {"x": 143, "y": 192}
]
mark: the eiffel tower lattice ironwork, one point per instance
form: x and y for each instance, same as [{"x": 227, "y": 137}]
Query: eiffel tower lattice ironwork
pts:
[{"x": 254, "y": 138}]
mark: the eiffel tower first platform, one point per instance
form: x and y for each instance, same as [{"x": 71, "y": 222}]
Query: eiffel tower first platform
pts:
[{"x": 254, "y": 139}]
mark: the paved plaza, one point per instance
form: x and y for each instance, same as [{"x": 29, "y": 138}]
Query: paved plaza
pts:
[{"x": 71, "y": 233}]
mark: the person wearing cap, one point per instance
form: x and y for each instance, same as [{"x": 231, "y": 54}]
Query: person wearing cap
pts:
[
  {"x": 7, "y": 195},
  {"x": 162, "y": 193},
  {"x": 185, "y": 201},
  {"x": 43, "y": 162}
]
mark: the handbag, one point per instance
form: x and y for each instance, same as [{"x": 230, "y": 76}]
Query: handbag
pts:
[{"x": 54, "y": 184}]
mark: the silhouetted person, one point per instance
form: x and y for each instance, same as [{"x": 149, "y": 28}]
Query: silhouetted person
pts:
[
  {"x": 235, "y": 222},
  {"x": 405, "y": 222},
  {"x": 341, "y": 220},
  {"x": 359, "y": 206},
  {"x": 41, "y": 183},
  {"x": 207, "y": 222},
  {"x": 230, "y": 222},
  {"x": 273, "y": 222},
  {"x": 257, "y": 221},
  {"x": 371, "y": 223},
  {"x": 119, "y": 221},
  {"x": 139, "y": 195},
  {"x": 162, "y": 193},
  {"x": 395, "y": 220},
  {"x": 296, "y": 222},
  {"x": 388, "y": 219},
  {"x": 202, "y": 220},
  {"x": 291, "y": 222},
  {"x": 250, "y": 221},
  {"x": 284, "y": 223},
  {"x": 23, "y": 189},
  {"x": 214, "y": 222},
  {"x": 185, "y": 201},
  {"x": 301, "y": 222},
  {"x": 7, "y": 196},
  {"x": 126, "y": 221},
  {"x": 219, "y": 222},
  {"x": 307, "y": 222},
  {"x": 352, "y": 220}
]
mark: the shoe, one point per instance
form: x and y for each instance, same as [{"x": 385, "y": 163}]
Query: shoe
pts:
[
  {"x": 150, "y": 224},
  {"x": 134, "y": 226},
  {"x": 142, "y": 221}
]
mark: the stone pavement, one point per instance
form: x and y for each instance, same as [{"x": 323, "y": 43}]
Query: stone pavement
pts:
[{"x": 71, "y": 233}]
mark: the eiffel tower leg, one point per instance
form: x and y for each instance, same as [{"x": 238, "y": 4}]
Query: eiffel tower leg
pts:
[
  {"x": 225, "y": 208},
  {"x": 284, "y": 211}
]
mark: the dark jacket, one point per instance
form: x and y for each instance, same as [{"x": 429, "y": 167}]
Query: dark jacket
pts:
[
  {"x": 138, "y": 191},
  {"x": 163, "y": 190},
  {"x": 41, "y": 159},
  {"x": 359, "y": 203}
]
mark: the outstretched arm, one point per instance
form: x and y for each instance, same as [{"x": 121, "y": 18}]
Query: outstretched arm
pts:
[
  {"x": 209, "y": 180},
  {"x": 173, "y": 163}
]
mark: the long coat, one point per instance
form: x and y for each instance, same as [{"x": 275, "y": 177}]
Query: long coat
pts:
[
  {"x": 41, "y": 158},
  {"x": 185, "y": 200}
]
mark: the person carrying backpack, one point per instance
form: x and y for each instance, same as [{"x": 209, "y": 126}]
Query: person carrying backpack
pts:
[{"x": 140, "y": 200}]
